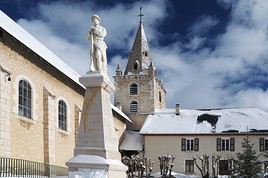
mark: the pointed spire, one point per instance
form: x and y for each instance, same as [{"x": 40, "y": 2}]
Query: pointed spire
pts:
[{"x": 140, "y": 51}]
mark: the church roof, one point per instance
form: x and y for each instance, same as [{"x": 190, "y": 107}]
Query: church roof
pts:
[
  {"x": 114, "y": 108},
  {"x": 36, "y": 46},
  {"x": 194, "y": 121},
  {"x": 139, "y": 52}
]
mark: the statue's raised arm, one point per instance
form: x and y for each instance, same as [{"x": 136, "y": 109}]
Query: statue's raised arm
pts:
[{"x": 98, "y": 58}]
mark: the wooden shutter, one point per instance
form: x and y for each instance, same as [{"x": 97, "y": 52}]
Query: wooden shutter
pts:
[
  {"x": 196, "y": 144},
  {"x": 261, "y": 144},
  {"x": 232, "y": 144},
  {"x": 218, "y": 144},
  {"x": 183, "y": 144}
]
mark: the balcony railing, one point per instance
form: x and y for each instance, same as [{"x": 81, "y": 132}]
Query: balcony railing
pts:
[{"x": 10, "y": 167}]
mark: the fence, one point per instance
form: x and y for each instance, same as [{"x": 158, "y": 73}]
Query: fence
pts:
[{"x": 10, "y": 167}]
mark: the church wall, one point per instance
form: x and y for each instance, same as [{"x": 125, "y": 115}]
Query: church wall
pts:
[
  {"x": 27, "y": 136},
  {"x": 171, "y": 144},
  {"x": 5, "y": 106}
]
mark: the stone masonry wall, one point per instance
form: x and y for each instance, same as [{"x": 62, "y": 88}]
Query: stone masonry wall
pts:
[
  {"x": 5, "y": 108},
  {"x": 26, "y": 136}
]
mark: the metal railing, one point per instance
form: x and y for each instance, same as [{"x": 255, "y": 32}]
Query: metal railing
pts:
[{"x": 10, "y": 167}]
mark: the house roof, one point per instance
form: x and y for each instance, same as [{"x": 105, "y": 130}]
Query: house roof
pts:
[
  {"x": 36, "y": 46},
  {"x": 194, "y": 121},
  {"x": 132, "y": 141}
]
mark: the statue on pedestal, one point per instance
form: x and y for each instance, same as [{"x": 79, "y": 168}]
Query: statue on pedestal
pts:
[
  {"x": 96, "y": 152},
  {"x": 98, "y": 58}
]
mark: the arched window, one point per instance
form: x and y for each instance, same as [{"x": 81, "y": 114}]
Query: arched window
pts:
[
  {"x": 136, "y": 65},
  {"x": 160, "y": 97},
  {"x": 25, "y": 99},
  {"x": 133, "y": 89},
  {"x": 62, "y": 115},
  {"x": 133, "y": 108}
]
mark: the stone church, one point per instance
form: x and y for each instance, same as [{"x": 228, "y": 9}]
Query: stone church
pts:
[{"x": 41, "y": 100}]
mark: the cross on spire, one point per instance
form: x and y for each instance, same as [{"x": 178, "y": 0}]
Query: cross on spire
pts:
[{"x": 141, "y": 15}]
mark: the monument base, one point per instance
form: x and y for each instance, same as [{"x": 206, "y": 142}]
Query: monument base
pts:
[{"x": 92, "y": 166}]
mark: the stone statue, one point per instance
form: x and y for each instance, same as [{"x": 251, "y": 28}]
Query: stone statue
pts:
[{"x": 98, "y": 58}]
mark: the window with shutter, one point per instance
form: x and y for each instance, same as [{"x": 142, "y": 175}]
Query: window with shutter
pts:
[
  {"x": 261, "y": 144},
  {"x": 189, "y": 144},
  {"x": 218, "y": 144},
  {"x": 183, "y": 144},
  {"x": 265, "y": 144},
  {"x": 232, "y": 144},
  {"x": 196, "y": 144}
]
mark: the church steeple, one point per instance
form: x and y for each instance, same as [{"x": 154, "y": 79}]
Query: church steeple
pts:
[
  {"x": 139, "y": 58},
  {"x": 138, "y": 90}
]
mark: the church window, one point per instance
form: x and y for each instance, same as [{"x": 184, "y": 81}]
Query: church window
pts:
[
  {"x": 133, "y": 108},
  {"x": 133, "y": 89},
  {"x": 25, "y": 99},
  {"x": 160, "y": 97},
  {"x": 62, "y": 115},
  {"x": 189, "y": 166},
  {"x": 136, "y": 65}
]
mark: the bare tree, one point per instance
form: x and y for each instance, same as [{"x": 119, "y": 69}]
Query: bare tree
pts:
[{"x": 204, "y": 167}]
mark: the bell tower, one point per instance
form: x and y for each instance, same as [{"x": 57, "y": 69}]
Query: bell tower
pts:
[{"x": 138, "y": 91}]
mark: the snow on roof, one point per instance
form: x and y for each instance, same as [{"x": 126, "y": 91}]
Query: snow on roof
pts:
[
  {"x": 32, "y": 43},
  {"x": 133, "y": 141},
  {"x": 209, "y": 121},
  {"x": 120, "y": 113}
]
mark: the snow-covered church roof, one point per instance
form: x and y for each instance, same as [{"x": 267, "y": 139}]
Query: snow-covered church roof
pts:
[{"x": 205, "y": 121}]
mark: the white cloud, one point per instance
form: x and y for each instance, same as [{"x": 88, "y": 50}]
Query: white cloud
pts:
[
  {"x": 203, "y": 25},
  {"x": 197, "y": 78}
]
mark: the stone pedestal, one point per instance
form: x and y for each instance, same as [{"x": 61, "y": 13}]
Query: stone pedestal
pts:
[{"x": 96, "y": 152}]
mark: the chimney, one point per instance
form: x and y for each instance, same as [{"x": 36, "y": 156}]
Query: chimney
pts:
[{"x": 177, "y": 112}]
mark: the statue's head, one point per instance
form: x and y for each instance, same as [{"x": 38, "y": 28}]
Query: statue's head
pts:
[{"x": 96, "y": 19}]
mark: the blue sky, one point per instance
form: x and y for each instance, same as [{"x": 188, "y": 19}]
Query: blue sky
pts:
[{"x": 209, "y": 53}]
